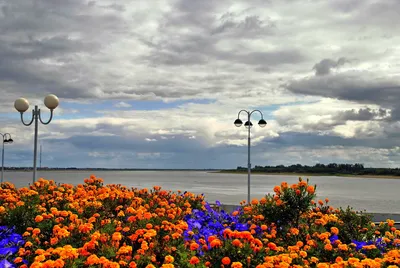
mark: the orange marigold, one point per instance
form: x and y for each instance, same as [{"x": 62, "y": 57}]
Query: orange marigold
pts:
[
  {"x": 194, "y": 260},
  {"x": 236, "y": 265},
  {"x": 310, "y": 189},
  {"x": 38, "y": 218},
  {"x": 169, "y": 259},
  {"x": 226, "y": 260}
]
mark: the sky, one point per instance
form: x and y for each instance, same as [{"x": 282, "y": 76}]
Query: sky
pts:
[{"x": 158, "y": 84}]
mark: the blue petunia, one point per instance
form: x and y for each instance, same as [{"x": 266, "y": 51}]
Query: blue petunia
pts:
[
  {"x": 6, "y": 264},
  {"x": 333, "y": 238},
  {"x": 359, "y": 244},
  {"x": 8, "y": 251}
]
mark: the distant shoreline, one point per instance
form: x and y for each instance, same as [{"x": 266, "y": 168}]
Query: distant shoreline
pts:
[
  {"x": 103, "y": 169},
  {"x": 308, "y": 174},
  {"x": 221, "y": 171}
]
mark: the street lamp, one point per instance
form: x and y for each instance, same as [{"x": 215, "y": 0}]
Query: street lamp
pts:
[
  {"x": 5, "y": 140},
  {"x": 248, "y": 125},
  {"x": 22, "y": 105}
]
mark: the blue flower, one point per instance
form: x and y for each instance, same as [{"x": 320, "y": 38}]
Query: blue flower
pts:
[
  {"x": 4, "y": 252},
  {"x": 10, "y": 243},
  {"x": 213, "y": 223},
  {"x": 359, "y": 244},
  {"x": 6, "y": 264},
  {"x": 379, "y": 243},
  {"x": 333, "y": 238}
]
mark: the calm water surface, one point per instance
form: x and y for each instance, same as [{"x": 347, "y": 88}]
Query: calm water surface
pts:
[{"x": 371, "y": 194}]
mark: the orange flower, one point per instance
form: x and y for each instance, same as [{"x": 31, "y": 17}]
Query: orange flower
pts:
[
  {"x": 226, "y": 260},
  {"x": 236, "y": 265},
  {"x": 117, "y": 236},
  {"x": 38, "y": 218},
  {"x": 216, "y": 243},
  {"x": 18, "y": 260},
  {"x": 169, "y": 259},
  {"x": 237, "y": 243},
  {"x": 272, "y": 246},
  {"x": 277, "y": 189},
  {"x": 194, "y": 246},
  {"x": 92, "y": 259},
  {"x": 334, "y": 230},
  {"x": 36, "y": 231},
  {"x": 310, "y": 189},
  {"x": 85, "y": 228},
  {"x": 194, "y": 260}
]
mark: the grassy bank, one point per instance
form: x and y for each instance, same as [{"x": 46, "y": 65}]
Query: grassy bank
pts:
[{"x": 309, "y": 174}]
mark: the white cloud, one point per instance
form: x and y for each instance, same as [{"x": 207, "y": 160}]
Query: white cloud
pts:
[
  {"x": 122, "y": 104},
  {"x": 237, "y": 55}
]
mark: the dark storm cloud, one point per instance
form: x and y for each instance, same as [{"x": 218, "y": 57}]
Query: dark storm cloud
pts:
[
  {"x": 360, "y": 87},
  {"x": 324, "y": 66},
  {"x": 365, "y": 114},
  {"x": 250, "y": 26},
  {"x": 341, "y": 118},
  {"x": 179, "y": 144},
  {"x": 135, "y": 152},
  {"x": 315, "y": 141},
  {"x": 40, "y": 40},
  {"x": 201, "y": 45}
]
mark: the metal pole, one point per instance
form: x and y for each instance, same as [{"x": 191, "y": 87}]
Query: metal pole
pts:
[
  {"x": 248, "y": 162},
  {"x": 40, "y": 163},
  {"x": 2, "y": 163},
  {"x": 36, "y": 118}
]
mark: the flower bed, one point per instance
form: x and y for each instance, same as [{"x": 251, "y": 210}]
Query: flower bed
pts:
[{"x": 92, "y": 225}]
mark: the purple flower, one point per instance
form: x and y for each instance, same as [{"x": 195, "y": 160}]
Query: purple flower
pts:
[{"x": 6, "y": 264}]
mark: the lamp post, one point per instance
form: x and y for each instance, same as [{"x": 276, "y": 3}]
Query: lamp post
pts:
[
  {"x": 5, "y": 140},
  {"x": 22, "y": 105},
  {"x": 248, "y": 125}
]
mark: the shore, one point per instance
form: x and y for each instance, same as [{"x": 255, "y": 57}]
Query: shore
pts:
[
  {"x": 308, "y": 174},
  {"x": 376, "y": 217}
]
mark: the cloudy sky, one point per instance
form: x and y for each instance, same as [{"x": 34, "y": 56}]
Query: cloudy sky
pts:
[{"x": 158, "y": 84}]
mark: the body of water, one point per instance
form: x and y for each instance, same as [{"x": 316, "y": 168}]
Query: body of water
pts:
[{"x": 375, "y": 195}]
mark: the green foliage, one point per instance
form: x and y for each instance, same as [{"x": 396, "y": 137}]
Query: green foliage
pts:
[
  {"x": 353, "y": 222},
  {"x": 329, "y": 169},
  {"x": 286, "y": 207},
  {"x": 22, "y": 216}
]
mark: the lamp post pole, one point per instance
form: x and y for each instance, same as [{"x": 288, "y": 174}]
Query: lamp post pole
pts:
[
  {"x": 248, "y": 125},
  {"x": 22, "y": 105},
  {"x": 5, "y": 140},
  {"x": 40, "y": 161},
  {"x": 248, "y": 160}
]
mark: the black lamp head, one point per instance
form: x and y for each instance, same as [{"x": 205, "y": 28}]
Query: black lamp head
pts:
[
  {"x": 238, "y": 122},
  {"x": 248, "y": 124},
  {"x": 9, "y": 140},
  {"x": 262, "y": 123}
]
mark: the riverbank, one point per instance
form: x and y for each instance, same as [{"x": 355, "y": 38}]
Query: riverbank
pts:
[
  {"x": 308, "y": 174},
  {"x": 376, "y": 217}
]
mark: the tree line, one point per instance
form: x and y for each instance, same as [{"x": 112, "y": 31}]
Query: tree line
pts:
[{"x": 332, "y": 168}]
